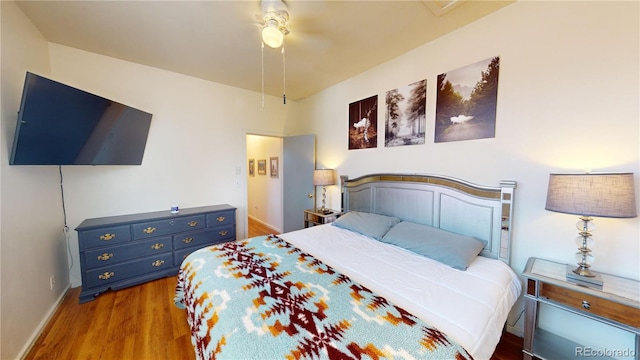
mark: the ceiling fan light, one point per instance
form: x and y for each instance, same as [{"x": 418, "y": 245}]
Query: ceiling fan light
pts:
[{"x": 272, "y": 36}]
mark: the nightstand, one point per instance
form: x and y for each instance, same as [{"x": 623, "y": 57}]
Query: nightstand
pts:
[
  {"x": 616, "y": 304},
  {"x": 315, "y": 217}
]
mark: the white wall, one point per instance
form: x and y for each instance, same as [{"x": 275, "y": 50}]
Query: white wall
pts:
[
  {"x": 32, "y": 242},
  {"x": 196, "y": 141},
  {"x": 568, "y": 101},
  {"x": 264, "y": 193}
]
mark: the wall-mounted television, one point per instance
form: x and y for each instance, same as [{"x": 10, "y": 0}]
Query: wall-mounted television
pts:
[{"x": 61, "y": 125}]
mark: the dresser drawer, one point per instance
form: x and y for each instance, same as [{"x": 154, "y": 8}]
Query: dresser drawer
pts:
[
  {"x": 591, "y": 304},
  {"x": 116, "y": 254},
  {"x": 167, "y": 226},
  {"x": 221, "y": 218},
  {"x": 106, "y": 275},
  {"x": 182, "y": 254},
  {"x": 104, "y": 236},
  {"x": 203, "y": 238}
]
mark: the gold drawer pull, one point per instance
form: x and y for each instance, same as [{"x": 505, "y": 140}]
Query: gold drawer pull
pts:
[
  {"x": 107, "y": 237},
  {"x": 105, "y": 257},
  {"x": 106, "y": 275},
  {"x": 157, "y": 246},
  {"x": 192, "y": 223},
  {"x": 157, "y": 263},
  {"x": 149, "y": 230},
  {"x": 220, "y": 218},
  {"x": 586, "y": 305},
  {"x": 223, "y": 233},
  {"x": 187, "y": 240}
]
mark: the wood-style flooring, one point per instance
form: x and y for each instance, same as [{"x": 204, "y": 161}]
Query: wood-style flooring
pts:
[{"x": 140, "y": 323}]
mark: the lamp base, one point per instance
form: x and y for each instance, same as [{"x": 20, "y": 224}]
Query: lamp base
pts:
[{"x": 594, "y": 282}]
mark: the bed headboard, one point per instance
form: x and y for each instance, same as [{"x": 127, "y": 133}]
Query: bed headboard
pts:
[{"x": 455, "y": 205}]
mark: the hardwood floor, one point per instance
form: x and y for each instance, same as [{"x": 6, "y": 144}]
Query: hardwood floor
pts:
[{"x": 140, "y": 323}]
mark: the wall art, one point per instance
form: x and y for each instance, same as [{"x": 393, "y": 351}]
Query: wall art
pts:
[
  {"x": 252, "y": 167},
  {"x": 262, "y": 167},
  {"x": 363, "y": 123},
  {"x": 405, "y": 119},
  {"x": 273, "y": 166},
  {"x": 466, "y": 102}
]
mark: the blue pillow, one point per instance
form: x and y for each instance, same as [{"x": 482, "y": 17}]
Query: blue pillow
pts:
[
  {"x": 455, "y": 250},
  {"x": 371, "y": 225}
]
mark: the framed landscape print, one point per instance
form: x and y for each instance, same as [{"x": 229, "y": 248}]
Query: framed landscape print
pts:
[
  {"x": 466, "y": 102},
  {"x": 405, "y": 119},
  {"x": 262, "y": 167}
]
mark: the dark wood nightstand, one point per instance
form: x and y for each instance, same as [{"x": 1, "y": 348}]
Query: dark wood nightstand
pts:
[
  {"x": 616, "y": 304},
  {"x": 316, "y": 217}
]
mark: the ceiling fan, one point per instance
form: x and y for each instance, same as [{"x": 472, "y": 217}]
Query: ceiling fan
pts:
[{"x": 275, "y": 22}]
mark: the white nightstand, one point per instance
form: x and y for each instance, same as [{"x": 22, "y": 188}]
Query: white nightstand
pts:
[{"x": 616, "y": 304}]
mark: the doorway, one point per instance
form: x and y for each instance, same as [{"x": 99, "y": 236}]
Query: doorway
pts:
[{"x": 279, "y": 180}]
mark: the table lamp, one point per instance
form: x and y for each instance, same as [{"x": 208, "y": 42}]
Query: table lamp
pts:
[
  {"x": 324, "y": 178},
  {"x": 598, "y": 194}
]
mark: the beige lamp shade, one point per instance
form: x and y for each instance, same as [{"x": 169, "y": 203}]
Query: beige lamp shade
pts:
[
  {"x": 324, "y": 177},
  {"x": 602, "y": 195}
]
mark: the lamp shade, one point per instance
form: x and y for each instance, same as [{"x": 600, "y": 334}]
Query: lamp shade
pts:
[
  {"x": 324, "y": 177},
  {"x": 271, "y": 35},
  {"x": 602, "y": 195}
]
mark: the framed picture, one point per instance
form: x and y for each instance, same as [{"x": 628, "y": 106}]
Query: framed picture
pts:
[
  {"x": 262, "y": 167},
  {"x": 273, "y": 166},
  {"x": 466, "y": 102},
  {"x": 252, "y": 167},
  {"x": 405, "y": 119},
  {"x": 363, "y": 123}
]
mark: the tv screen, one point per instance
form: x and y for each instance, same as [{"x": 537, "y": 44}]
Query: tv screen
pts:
[{"x": 62, "y": 125}]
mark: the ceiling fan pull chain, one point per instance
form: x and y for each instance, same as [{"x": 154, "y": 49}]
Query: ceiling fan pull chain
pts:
[
  {"x": 262, "y": 64},
  {"x": 284, "y": 83}
]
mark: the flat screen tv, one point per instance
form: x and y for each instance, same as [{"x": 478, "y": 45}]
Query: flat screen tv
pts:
[{"x": 61, "y": 125}]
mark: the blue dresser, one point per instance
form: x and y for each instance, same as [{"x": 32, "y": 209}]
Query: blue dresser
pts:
[{"x": 121, "y": 251}]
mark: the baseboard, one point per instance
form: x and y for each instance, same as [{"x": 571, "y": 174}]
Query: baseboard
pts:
[
  {"x": 34, "y": 336},
  {"x": 265, "y": 224},
  {"x": 517, "y": 331}
]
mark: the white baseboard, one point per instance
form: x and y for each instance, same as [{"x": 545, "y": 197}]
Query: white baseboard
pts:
[
  {"x": 264, "y": 223},
  {"x": 34, "y": 336}
]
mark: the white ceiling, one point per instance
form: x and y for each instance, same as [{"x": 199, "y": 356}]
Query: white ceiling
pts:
[{"x": 330, "y": 41}]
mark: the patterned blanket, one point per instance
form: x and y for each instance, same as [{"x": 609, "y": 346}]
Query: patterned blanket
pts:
[{"x": 263, "y": 298}]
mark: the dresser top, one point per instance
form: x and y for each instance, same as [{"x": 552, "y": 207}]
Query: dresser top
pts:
[
  {"x": 623, "y": 289},
  {"x": 155, "y": 215}
]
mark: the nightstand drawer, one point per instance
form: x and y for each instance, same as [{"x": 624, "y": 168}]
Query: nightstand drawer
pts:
[
  {"x": 314, "y": 218},
  {"x": 591, "y": 304}
]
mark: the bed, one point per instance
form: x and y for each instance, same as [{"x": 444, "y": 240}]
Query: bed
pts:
[{"x": 416, "y": 268}]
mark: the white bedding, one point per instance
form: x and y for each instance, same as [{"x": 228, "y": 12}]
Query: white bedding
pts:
[{"x": 470, "y": 306}]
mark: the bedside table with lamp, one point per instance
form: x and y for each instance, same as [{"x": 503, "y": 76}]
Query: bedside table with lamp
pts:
[
  {"x": 605, "y": 298},
  {"x": 322, "y": 215}
]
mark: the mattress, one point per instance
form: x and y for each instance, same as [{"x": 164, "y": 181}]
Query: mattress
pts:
[{"x": 469, "y": 306}]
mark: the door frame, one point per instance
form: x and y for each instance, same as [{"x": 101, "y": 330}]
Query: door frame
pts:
[{"x": 245, "y": 221}]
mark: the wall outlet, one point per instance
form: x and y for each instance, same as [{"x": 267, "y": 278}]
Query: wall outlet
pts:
[{"x": 52, "y": 282}]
